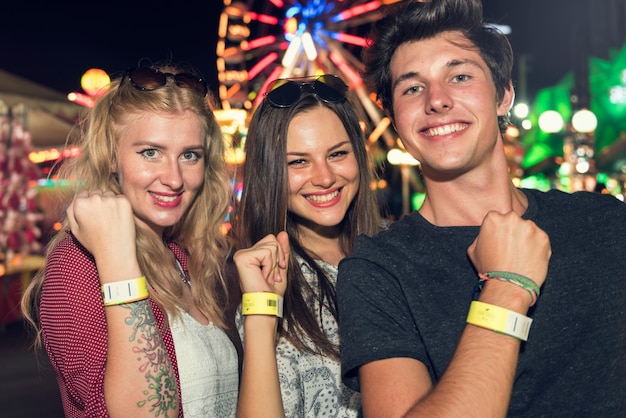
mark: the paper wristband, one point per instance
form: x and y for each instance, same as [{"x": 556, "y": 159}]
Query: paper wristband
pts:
[
  {"x": 125, "y": 291},
  {"x": 262, "y": 303},
  {"x": 500, "y": 320}
]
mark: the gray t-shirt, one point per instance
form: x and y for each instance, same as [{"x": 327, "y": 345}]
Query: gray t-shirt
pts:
[{"x": 407, "y": 291}]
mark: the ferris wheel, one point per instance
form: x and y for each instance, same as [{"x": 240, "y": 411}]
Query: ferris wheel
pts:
[{"x": 261, "y": 40}]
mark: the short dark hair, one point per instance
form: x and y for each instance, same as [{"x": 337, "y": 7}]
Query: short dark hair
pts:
[{"x": 413, "y": 21}]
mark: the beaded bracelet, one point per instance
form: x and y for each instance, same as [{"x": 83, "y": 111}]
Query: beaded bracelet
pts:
[{"x": 516, "y": 279}]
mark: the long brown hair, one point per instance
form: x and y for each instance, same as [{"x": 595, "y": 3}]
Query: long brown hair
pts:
[{"x": 264, "y": 210}]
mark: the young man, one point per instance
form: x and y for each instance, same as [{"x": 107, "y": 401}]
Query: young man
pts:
[{"x": 407, "y": 340}]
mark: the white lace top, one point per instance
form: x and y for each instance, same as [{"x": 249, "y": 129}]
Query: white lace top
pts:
[
  {"x": 311, "y": 384},
  {"x": 208, "y": 368}
]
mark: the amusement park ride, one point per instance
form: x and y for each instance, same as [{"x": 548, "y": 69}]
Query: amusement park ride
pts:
[{"x": 262, "y": 40}]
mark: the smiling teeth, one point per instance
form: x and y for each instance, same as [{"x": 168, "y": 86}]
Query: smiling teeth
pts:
[
  {"x": 323, "y": 198},
  {"x": 165, "y": 198},
  {"x": 446, "y": 129}
]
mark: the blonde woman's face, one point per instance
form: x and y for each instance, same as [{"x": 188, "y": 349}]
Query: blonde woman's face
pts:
[{"x": 160, "y": 166}]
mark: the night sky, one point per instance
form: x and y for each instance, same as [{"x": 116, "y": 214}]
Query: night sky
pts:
[{"x": 54, "y": 44}]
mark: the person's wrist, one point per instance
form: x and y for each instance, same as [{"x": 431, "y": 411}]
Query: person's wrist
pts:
[
  {"x": 110, "y": 271},
  {"x": 260, "y": 321},
  {"x": 505, "y": 295}
]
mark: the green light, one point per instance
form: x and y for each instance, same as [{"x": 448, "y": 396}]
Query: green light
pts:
[{"x": 417, "y": 200}]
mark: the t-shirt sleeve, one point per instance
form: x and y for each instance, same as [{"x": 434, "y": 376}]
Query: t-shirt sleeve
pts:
[{"x": 375, "y": 322}]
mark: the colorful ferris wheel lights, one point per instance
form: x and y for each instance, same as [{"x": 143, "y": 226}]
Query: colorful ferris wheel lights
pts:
[
  {"x": 346, "y": 69},
  {"x": 350, "y": 39},
  {"x": 230, "y": 52},
  {"x": 292, "y": 11},
  {"x": 278, "y": 3},
  {"x": 263, "y": 18},
  {"x": 292, "y": 52},
  {"x": 309, "y": 46},
  {"x": 262, "y": 64},
  {"x": 258, "y": 42},
  {"x": 234, "y": 11},
  {"x": 230, "y": 92},
  {"x": 290, "y": 27},
  {"x": 356, "y": 10},
  {"x": 262, "y": 40},
  {"x": 276, "y": 73},
  {"x": 222, "y": 26}
]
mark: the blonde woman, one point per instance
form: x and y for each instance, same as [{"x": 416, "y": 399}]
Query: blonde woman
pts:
[{"x": 130, "y": 304}]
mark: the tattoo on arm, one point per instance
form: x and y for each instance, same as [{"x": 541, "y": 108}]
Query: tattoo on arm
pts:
[{"x": 161, "y": 393}]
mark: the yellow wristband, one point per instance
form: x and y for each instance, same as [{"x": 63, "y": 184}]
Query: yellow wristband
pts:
[
  {"x": 262, "y": 303},
  {"x": 125, "y": 291},
  {"x": 500, "y": 320}
]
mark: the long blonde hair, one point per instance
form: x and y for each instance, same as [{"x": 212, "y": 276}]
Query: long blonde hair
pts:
[{"x": 199, "y": 232}]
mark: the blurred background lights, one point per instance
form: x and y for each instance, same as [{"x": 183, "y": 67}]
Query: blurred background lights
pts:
[
  {"x": 584, "y": 121},
  {"x": 582, "y": 166},
  {"x": 397, "y": 156},
  {"x": 551, "y": 121},
  {"x": 512, "y": 131},
  {"x": 521, "y": 110},
  {"x": 95, "y": 81}
]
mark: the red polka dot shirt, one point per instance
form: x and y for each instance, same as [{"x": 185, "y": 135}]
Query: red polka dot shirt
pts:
[{"x": 74, "y": 327}]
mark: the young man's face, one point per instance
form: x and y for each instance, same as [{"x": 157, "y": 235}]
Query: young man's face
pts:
[{"x": 445, "y": 106}]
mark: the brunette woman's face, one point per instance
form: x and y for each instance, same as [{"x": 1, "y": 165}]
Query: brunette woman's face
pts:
[
  {"x": 322, "y": 168},
  {"x": 160, "y": 166}
]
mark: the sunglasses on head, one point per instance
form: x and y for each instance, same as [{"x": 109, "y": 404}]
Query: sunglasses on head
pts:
[
  {"x": 148, "y": 79},
  {"x": 286, "y": 92}
]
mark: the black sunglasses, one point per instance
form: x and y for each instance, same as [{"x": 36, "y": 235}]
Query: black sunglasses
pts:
[
  {"x": 286, "y": 92},
  {"x": 148, "y": 79}
]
